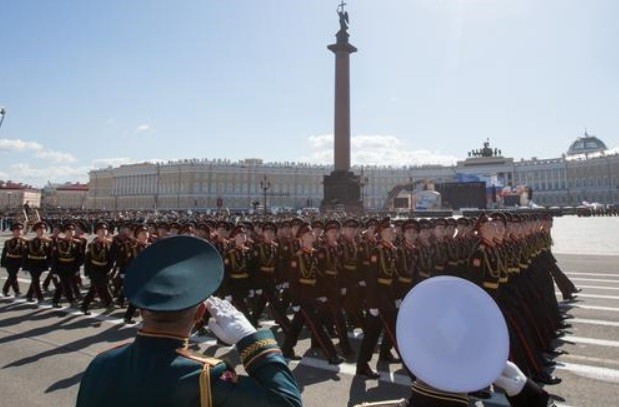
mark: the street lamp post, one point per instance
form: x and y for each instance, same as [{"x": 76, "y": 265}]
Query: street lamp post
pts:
[
  {"x": 8, "y": 206},
  {"x": 2, "y": 114},
  {"x": 265, "y": 185},
  {"x": 410, "y": 181}
]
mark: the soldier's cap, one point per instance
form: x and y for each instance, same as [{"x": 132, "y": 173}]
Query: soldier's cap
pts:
[
  {"x": 410, "y": 224},
  {"x": 452, "y": 335},
  {"x": 351, "y": 223},
  {"x": 371, "y": 222},
  {"x": 462, "y": 221},
  {"x": 238, "y": 229},
  {"x": 100, "y": 225},
  {"x": 248, "y": 225},
  {"x": 284, "y": 224},
  {"x": 189, "y": 226},
  {"x": 451, "y": 222},
  {"x": 439, "y": 222},
  {"x": 17, "y": 225},
  {"x": 222, "y": 224},
  {"x": 481, "y": 220},
  {"x": 384, "y": 224},
  {"x": 40, "y": 225},
  {"x": 333, "y": 224},
  {"x": 139, "y": 228},
  {"x": 296, "y": 222},
  {"x": 68, "y": 226},
  {"x": 269, "y": 226},
  {"x": 304, "y": 229},
  {"x": 424, "y": 224},
  {"x": 203, "y": 226},
  {"x": 499, "y": 216},
  {"x": 318, "y": 224},
  {"x": 173, "y": 274},
  {"x": 174, "y": 225}
]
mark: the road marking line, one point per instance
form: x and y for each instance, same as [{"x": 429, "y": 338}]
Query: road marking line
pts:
[
  {"x": 595, "y": 280},
  {"x": 589, "y": 359},
  {"x": 570, "y": 273},
  {"x": 598, "y": 287},
  {"x": 591, "y": 372},
  {"x": 593, "y": 322},
  {"x": 605, "y": 297},
  {"x": 592, "y": 307},
  {"x": 591, "y": 341}
]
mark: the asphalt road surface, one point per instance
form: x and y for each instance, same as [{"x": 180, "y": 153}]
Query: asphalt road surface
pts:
[{"x": 43, "y": 351}]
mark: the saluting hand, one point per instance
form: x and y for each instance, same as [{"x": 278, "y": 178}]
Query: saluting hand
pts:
[{"x": 227, "y": 323}]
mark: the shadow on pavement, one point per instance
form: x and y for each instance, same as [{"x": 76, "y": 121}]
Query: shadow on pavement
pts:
[
  {"x": 112, "y": 334},
  {"x": 307, "y": 375},
  {"x": 65, "y": 383},
  {"x": 360, "y": 391}
]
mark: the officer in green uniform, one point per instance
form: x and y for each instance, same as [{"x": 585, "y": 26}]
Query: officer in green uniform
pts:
[{"x": 169, "y": 282}]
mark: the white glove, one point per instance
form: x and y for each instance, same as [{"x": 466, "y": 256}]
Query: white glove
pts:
[
  {"x": 251, "y": 294},
  {"x": 398, "y": 303},
  {"x": 362, "y": 283},
  {"x": 512, "y": 380},
  {"x": 278, "y": 287},
  {"x": 343, "y": 291},
  {"x": 286, "y": 285},
  {"x": 259, "y": 292},
  {"x": 295, "y": 308},
  {"x": 321, "y": 300},
  {"x": 228, "y": 298},
  {"x": 226, "y": 322},
  {"x": 374, "y": 312}
]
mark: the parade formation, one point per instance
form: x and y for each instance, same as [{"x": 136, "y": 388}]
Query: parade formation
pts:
[{"x": 330, "y": 274}]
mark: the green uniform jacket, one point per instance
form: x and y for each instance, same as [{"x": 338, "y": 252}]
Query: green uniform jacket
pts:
[{"x": 157, "y": 370}]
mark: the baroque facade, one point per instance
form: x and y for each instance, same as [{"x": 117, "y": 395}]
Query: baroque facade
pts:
[{"x": 587, "y": 172}]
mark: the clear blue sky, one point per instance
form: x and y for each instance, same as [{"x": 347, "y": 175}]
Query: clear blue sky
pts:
[{"x": 89, "y": 83}]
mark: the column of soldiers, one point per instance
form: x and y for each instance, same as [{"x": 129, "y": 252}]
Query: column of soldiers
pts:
[{"x": 332, "y": 277}]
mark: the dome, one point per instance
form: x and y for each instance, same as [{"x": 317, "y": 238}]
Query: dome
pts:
[{"x": 586, "y": 145}]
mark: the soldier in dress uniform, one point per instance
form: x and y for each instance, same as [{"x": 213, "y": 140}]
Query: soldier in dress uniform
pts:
[
  {"x": 98, "y": 267},
  {"x": 142, "y": 241},
  {"x": 37, "y": 260},
  {"x": 65, "y": 258},
  {"x": 14, "y": 253},
  {"x": 122, "y": 244},
  {"x": 304, "y": 292},
  {"x": 288, "y": 246},
  {"x": 350, "y": 273},
  {"x": 169, "y": 282},
  {"x": 408, "y": 257},
  {"x": 424, "y": 245},
  {"x": 329, "y": 283},
  {"x": 52, "y": 276},
  {"x": 381, "y": 306},
  {"x": 237, "y": 281},
  {"x": 267, "y": 274}
]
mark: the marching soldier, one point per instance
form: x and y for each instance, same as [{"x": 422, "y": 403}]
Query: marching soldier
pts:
[
  {"x": 237, "y": 281},
  {"x": 65, "y": 257},
  {"x": 408, "y": 256},
  {"x": 121, "y": 244},
  {"x": 52, "y": 276},
  {"x": 304, "y": 290},
  {"x": 265, "y": 256},
  {"x": 381, "y": 312},
  {"x": 350, "y": 274},
  {"x": 329, "y": 283},
  {"x": 98, "y": 266},
  {"x": 142, "y": 241},
  {"x": 37, "y": 260},
  {"x": 13, "y": 255}
]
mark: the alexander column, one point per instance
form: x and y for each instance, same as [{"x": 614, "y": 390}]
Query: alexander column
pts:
[{"x": 342, "y": 188}]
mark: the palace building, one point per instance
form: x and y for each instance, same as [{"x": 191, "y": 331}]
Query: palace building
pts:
[{"x": 588, "y": 171}]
